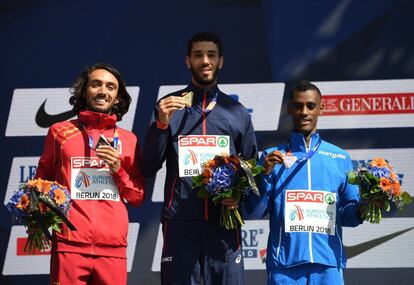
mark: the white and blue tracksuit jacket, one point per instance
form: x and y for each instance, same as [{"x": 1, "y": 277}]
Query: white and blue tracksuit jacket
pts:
[{"x": 325, "y": 170}]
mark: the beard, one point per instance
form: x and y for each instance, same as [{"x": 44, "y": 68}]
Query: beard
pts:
[{"x": 202, "y": 81}]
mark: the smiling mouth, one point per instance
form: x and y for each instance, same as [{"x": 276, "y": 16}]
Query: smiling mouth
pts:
[
  {"x": 304, "y": 122},
  {"x": 100, "y": 100}
]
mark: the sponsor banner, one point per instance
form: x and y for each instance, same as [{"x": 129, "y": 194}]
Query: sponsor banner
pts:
[
  {"x": 34, "y": 110},
  {"x": 254, "y": 240},
  {"x": 367, "y": 104},
  {"x": 17, "y": 262},
  {"x": 22, "y": 170},
  {"x": 385, "y": 245},
  {"x": 262, "y": 100}
]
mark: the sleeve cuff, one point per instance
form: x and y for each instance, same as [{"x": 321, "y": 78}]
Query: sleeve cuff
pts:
[{"x": 161, "y": 126}]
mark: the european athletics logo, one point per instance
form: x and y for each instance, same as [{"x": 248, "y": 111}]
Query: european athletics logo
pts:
[
  {"x": 296, "y": 213},
  {"x": 190, "y": 157},
  {"x": 82, "y": 178}
]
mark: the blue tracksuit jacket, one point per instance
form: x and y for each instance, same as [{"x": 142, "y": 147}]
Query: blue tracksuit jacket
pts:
[{"x": 325, "y": 170}]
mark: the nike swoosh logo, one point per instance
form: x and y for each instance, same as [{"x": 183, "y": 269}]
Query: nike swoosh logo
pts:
[
  {"x": 355, "y": 250},
  {"x": 45, "y": 120}
]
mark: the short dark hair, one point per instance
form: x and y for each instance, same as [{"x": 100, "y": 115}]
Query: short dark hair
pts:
[
  {"x": 304, "y": 86},
  {"x": 205, "y": 37},
  {"x": 78, "y": 91}
]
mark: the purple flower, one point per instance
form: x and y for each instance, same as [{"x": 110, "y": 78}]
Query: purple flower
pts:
[
  {"x": 221, "y": 180},
  {"x": 14, "y": 200},
  {"x": 380, "y": 171}
]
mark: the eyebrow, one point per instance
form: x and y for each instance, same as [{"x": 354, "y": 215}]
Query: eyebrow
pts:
[
  {"x": 209, "y": 51},
  {"x": 100, "y": 81}
]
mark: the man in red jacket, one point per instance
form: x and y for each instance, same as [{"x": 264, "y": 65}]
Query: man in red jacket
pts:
[{"x": 98, "y": 162}]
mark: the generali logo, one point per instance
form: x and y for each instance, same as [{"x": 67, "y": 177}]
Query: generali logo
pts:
[{"x": 367, "y": 104}]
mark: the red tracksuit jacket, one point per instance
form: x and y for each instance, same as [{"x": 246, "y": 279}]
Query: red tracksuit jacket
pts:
[{"x": 102, "y": 225}]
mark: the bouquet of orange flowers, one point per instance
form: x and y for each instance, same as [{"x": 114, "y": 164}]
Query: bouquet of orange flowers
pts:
[
  {"x": 40, "y": 204},
  {"x": 380, "y": 189},
  {"x": 227, "y": 177}
]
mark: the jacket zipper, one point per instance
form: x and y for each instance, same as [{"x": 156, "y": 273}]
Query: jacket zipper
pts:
[
  {"x": 309, "y": 189},
  {"x": 172, "y": 192},
  {"x": 204, "y": 123}
]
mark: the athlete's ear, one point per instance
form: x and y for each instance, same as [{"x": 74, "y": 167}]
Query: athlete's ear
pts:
[
  {"x": 221, "y": 62},
  {"x": 322, "y": 107},
  {"x": 187, "y": 62}
]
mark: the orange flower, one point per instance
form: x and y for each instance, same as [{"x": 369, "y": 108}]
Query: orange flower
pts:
[
  {"x": 207, "y": 172},
  {"x": 386, "y": 184},
  {"x": 396, "y": 188},
  {"x": 210, "y": 164},
  {"x": 24, "y": 202},
  {"x": 394, "y": 176},
  {"x": 378, "y": 162},
  {"x": 60, "y": 197},
  {"x": 235, "y": 161},
  {"x": 40, "y": 184}
]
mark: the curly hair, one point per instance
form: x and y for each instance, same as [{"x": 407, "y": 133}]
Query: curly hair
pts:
[{"x": 78, "y": 91}]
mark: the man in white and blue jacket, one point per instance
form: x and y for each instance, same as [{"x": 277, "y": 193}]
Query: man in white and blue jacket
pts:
[{"x": 304, "y": 189}]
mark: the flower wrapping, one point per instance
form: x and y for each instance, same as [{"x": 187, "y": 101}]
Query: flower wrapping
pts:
[
  {"x": 39, "y": 205},
  {"x": 380, "y": 189},
  {"x": 227, "y": 176}
]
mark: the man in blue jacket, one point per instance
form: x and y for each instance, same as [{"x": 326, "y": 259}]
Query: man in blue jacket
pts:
[
  {"x": 305, "y": 191},
  {"x": 185, "y": 133}
]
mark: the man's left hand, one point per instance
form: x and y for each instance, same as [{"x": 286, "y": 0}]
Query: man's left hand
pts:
[{"x": 110, "y": 156}]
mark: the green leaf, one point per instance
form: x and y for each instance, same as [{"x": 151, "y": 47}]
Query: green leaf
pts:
[
  {"x": 387, "y": 206},
  {"x": 202, "y": 193},
  {"x": 353, "y": 177},
  {"x": 257, "y": 170},
  {"x": 197, "y": 181},
  {"x": 406, "y": 198},
  {"x": 252, "y": 162}
]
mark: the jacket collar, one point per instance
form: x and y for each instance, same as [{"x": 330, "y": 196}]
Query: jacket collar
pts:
[
  {"x": 96, "y": 120},
  {"x": 298, "y": 143},
  {"x": 199, "y": 92}
]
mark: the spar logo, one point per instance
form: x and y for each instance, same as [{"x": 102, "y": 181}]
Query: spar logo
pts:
[
  {"x": 198, "y": 141},
  {"x": 329, "y": 198},
  {"x": 296, "y": 213},
  {"x": 88, "y": 162},
  {"x": 190, "y": 157},
  {"x": 82, "y": 179},
  {"x": 305, "y": 196},
  {"x": 223, "y": 141}
]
